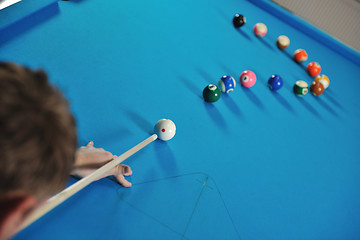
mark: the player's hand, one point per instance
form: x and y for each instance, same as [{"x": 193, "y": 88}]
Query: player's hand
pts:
[{"x": 89, "y": 158}]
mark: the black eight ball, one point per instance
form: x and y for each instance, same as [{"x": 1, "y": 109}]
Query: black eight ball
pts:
[{"x": 239, "y": 20}]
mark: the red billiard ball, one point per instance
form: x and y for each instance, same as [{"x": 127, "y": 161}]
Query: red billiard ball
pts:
[
  {"x": 317, "y": 88},
  {"x": 313, "y": 69},
  {"x": 300, "y": 55}
]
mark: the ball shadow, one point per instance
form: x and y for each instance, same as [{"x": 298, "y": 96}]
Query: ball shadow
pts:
[
  {"x": 243, "y": 33},
  {"x": 333, "y": 100},
  {"x": 140, "y": 121},
  {"x": 223, "y": 15},
  {"x": 308, "y": 106},
  {"x": 207, "y": 77},
  {"x": 330, "y": 91},
  {"x": 301, "y": 65},
  {"x": 229, "y": 71},
  {"x": 166, "y": 157},
  {"x": 215, "y": 115},
  {"x": 326, "y": 106},
  {"x": 264, "y": 42},
  {"x": 190, "y": 86},
  {"x": 231, "y": 104},
  {"x": 287, "y": 54},
  {"x": 283, "y": 102},
  {"x": 253, "y": 98}
]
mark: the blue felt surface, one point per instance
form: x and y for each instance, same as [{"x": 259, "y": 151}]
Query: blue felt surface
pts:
[
  {"x": 284, "y": 167},
  {"x": 21, "y": 10},
  {"x": 25, "y": 16}
]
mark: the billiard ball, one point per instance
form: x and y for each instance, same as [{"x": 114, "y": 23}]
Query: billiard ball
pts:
[
  {"x": 313, "y": 69},
  {"x": 275, "y": 82},
  {"x": 239, "y": 20},
  {"x": 247, "y": 78},
  {"x": 282, "y": 42},
  {"x": 323, "y": 79},
  {"x": 301, "y": 88},
  {"x": 260, "y": 29},
  {"x": 317, "y": 88},
  {"x": 165, "y": 129},
  {"x": 211, "y": 93},
  {"x": 300, "y": 55},
  {"x": 227, "y": 84}
]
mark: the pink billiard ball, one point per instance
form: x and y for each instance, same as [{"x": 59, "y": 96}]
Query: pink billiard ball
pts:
[
  {"x": 260, "y": 29},
  {"x": 247, "y": 78}
]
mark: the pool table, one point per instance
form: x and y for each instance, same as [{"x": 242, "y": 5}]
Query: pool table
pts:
[{"x": 256, "y": 164}]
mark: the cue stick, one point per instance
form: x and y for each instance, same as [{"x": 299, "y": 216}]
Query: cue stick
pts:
[{"x": 76, "y": 187}]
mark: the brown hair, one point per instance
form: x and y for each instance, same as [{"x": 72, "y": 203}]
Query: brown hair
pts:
[{"x": 37, "y": 133}]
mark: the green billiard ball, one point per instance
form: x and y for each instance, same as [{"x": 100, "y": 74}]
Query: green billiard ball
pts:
[
  {"x": 211, "y": 93},
  {"x": 301, "y": 88}
]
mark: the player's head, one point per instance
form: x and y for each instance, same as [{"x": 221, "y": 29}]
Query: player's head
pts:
[{"x": 37, "y": 142}]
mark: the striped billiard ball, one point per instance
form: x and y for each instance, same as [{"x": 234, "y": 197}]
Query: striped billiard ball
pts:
[
  {"x": 300, "y": 55},
  {"x": 323, "y": 79},
  {"x": 211, "y": 93},
  {"x": 282, "y": 42},
  {"x": 301, "y": 88},
  {"x": 260, "y": 29},
  {"x": 313, "y": 69},
  {"x": 227, "y": 84}
]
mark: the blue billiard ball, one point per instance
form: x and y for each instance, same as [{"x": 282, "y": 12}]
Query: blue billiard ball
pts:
[
  {"x": 227, "y": 84},
  {"x": 275, "y": 82}
]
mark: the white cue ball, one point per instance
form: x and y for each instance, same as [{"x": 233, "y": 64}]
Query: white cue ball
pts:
[{"x": 165, "y": 129}]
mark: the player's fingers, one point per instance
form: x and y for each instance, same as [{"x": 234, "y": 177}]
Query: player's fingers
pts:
[
  {"x": 90, "y": 144},
  {"x": 120, "y": 170},
  {"x": 123, "y": 181},
  {"x": 126, "y": 170},
  {"x": 105, "y": 155}
]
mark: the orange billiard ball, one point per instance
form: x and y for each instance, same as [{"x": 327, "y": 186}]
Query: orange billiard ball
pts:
[
  {"x": 323, "y": 79},
  {"x": 300, "y": 55},
  {"x": 317, "y": 88},
  {"x": 313, "y": 69}
]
